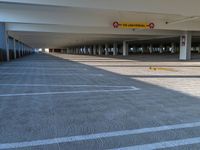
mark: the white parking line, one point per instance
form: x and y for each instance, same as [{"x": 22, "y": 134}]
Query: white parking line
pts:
[
  {"x": 69, "y": 92},
  {"x": 61, "y": 85},
  {"x": 112, "y": 134},
  {"x": 161, "y": 145},
  {"x": 63, "y": 74},
  {"x": 43, "y": 68}
]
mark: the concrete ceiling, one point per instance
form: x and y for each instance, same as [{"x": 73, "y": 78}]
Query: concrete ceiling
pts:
[{"x": 63, "y": 23}]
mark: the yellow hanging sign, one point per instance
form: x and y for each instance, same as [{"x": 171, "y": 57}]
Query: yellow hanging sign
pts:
[{"x": 127, "y": 25}]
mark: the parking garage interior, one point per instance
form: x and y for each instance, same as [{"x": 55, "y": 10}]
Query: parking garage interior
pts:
[{"x": 94, "y": 75}]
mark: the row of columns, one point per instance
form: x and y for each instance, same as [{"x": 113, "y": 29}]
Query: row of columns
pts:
[
  {"x": 17, "y": 48},
  {"x": 94, "y": 50},
  {"x": 10, "y": 48},
  {"x": 98, "y": 49},
  {"x": 185, "y": 48}
]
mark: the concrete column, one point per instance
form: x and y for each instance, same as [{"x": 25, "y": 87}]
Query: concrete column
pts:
[
  {"x": 4, "y": 46},
  {"x": 185, "y": 46},
  {"x": 173, "y": 48},
  {"x": 106, "y": 49},
  {"x": 14, "y": 48},
  {"x": 125, "y": 48},
  {"x": 161, "y": 48},
  {"x": 84, "y": 50},
  {"x": 73, "y": 51},
  {"x": 70, "y": 51},
  {"x": 143, "y": 49},
  {"x": 22, "y": 49},
  {"x": 94, "y": 50},
  {"x": 199, "y": 49},
  {"x": 19, "y": 50},
  {"x": 26, "y": 50},
  {"x": 80, "y": 50},
  {"x": 87, "y": 51},
  {"x": 150, "y": 49},
  {"x": 7, "y": 47},
  {"x": 100, "y": 50},
  {"x": 90, "y": 50},
  {"x": 114, "y": 49}
]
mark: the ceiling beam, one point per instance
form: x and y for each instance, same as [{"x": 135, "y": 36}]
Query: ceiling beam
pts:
[
  {"x": 86, "y": 30},
  {"x": 180, "y": 7}
]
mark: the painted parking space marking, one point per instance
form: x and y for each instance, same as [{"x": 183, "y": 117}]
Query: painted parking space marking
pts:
[
  {"x": 43, "y": 68},
  {"x": 70, "y": 92},
  {"x": 61, "y": 85},
  {"x": 162, "y": 145},
  {"x": 113, "y": 134},
  {"x": 62, "y": 74}
]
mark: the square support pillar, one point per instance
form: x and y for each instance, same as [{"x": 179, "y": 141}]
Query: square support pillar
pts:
[
  {"x": 150, "y": 49},
  {"x": 19, "y": 50},
  {"x": 77, "y": 51},
  {"x": 100, "y": 50},
  {"x": 7, "y": 47},
  {"x": 84, "y": 50},
  {"x": 94, "y": 50},
  {"x": 185, "y": 46},
  {"x": 199, "y": 49},
  {"x": 14, "y": 48},
  {"x": 161, "y": 49},
  {"x": 125, "y": 48},
  {"x": 80, "y": 50},
  {"x": 114, "y": 49},
  {"x": 22, "y": 49},
  {"x": 90, "y": 50},
  {"x": 4, "y": 44},
  {"x": 106, "y": 49},
  {"x": 173, "y": 48}
]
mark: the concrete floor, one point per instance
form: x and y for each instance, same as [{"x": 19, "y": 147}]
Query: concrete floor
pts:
[{"x": 59, "y": 102}]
